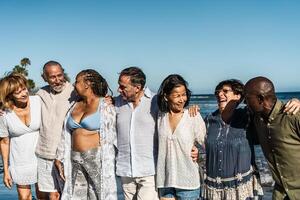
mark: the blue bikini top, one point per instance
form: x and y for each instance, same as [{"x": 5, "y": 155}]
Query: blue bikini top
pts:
[{"x": 90, "y": 122}]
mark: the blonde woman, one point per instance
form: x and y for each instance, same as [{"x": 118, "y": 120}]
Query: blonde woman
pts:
[{"x": 19, "y": 130}]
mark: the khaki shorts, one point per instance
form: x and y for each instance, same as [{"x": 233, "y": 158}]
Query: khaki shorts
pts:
[
  {"x": 48, "y": 176},
  {"x": 142, "y": 188}
]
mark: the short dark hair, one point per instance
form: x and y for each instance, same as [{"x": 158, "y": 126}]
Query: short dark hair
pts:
[
  {"x": 98, "y": 85},
  {"x": 168, "y": 84},
  {"x": 51, "y": 63},
  {"x": 136, "y": 75},
  {"x": 236, "y": 85},
  {"x": 262, "y": 87}
]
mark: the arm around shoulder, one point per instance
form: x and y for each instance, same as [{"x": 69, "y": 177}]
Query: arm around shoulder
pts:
[
  {"x": 199, "y": 129},
  {"x": 296, "y": 122},
  {"x": 110, "y": 121},
  {"x": 292, "y": 106}
]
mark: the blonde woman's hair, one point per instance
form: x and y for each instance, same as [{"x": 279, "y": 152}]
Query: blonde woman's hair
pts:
[{"x": 8, "y": 85}]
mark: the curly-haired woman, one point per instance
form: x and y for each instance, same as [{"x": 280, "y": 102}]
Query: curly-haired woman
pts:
[{"x": 88, "y": 151}]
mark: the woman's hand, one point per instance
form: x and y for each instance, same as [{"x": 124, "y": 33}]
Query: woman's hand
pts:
[
  {"x": 4, "y": 146},
  {"x": 7, "y": 180},
  {"x": 60, "y": 168}
]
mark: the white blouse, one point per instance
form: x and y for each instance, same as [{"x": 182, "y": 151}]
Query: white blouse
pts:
[
  {"x": 23, "y": 140},
  {"x": 175, "y": 167}
]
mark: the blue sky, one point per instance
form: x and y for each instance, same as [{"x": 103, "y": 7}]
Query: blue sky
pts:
[{"x": 205, "y": 41}]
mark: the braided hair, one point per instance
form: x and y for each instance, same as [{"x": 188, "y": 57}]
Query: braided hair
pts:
[{"x": 98, "y": 84}]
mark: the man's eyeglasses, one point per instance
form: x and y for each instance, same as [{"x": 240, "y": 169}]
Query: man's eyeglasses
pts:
[{"x": 225, "y": 91}]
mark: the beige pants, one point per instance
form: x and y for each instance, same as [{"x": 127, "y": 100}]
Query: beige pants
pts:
[{"x": 142, "y": 188}]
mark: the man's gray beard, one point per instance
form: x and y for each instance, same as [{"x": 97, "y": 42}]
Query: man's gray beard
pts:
[{"x": 59, "y": 89}]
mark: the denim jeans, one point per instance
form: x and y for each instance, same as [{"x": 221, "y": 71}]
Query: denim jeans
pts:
[{"x": 178, "y": 193}]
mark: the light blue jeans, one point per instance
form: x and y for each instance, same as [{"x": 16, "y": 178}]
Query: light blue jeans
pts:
[{"x": 178, "y": 193}]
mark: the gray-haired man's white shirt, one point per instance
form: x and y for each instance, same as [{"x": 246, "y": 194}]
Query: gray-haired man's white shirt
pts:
[{"x": 54, "y": 110}]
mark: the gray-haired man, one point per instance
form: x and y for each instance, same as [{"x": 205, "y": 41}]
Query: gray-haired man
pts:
[{"x": 57, "y": 98}]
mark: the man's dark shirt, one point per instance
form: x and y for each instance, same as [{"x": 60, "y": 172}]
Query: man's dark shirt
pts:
[{"x": 279, "y": 137}]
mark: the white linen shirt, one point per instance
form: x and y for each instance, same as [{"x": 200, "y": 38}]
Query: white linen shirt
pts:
[
  {"x": 175, "y": 167},
  {"x": 137, "y": 136},
  {"x": 54, "y": 110}
]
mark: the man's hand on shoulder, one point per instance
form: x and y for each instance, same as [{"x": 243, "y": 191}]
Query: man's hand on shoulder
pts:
[
  {"x": 109, "y": 100},
  {"x": 193, "y": 110},
  {"x": 194, "y": 153},
  {"x": 1, "y": 112},
  {"x": 292, "y": 106}
]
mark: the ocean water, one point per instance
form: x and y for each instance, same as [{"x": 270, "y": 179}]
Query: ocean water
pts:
[{"x": 207, "y": 105}]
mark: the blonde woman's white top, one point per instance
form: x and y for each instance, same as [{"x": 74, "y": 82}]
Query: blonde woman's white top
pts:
[{"x": 23, "y": 140}]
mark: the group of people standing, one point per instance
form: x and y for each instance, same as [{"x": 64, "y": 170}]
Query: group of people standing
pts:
[{"x": 73, "y": 141}]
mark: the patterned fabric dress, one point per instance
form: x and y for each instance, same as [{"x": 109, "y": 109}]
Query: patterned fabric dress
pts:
[
  {"x": 106, "y": 155},
  {"x": 229, "y": 159},
  {"x": 86, "y": 174}
]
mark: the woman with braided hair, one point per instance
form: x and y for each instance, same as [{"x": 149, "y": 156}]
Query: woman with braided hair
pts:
[{"x": 87, "y": 150}]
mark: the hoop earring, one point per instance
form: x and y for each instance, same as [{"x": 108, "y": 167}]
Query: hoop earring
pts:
[{"x": 165, "y": 98}]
